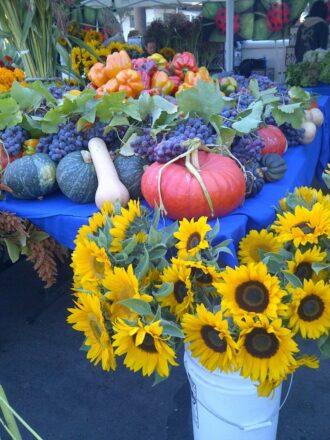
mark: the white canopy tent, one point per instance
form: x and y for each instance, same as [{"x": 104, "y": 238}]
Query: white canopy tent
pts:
[{"x": 183, "y": 4}]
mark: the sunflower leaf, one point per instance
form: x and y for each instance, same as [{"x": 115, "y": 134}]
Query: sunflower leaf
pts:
[
  {"x": 317, "y": 267},
  {"x": 324, "y": 346},
  {"x": 143, "y": 266},
  {"x": 292, "y": 279},
  {"x": 214, "y": 231},
  {"x": 129, "y": 245},
  {"x": 137, "y": 305},
  {"x": 165, "y": 290},
  {"x": 158, "y": 379},
  {"x": 157, "y": 251},
  {"x": 171, "y": 329},
  {"x": 154, "y": 237}
]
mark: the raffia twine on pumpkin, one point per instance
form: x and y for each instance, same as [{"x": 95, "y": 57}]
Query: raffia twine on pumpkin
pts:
[{"x": 192, "y": 164}]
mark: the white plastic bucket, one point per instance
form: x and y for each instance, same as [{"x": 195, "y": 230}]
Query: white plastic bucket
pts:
[{"x": 227, "y": 406}]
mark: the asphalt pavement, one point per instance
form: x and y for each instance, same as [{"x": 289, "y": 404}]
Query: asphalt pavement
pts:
[{"x": 63, "y": 397}]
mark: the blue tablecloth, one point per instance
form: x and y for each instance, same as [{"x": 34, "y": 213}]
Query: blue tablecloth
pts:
[
  {"x": 62, "y": 218},
  {"x": 320, "y": 89}
]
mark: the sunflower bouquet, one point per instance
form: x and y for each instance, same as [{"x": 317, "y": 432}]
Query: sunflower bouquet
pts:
[{"x": 143, "y": 290}]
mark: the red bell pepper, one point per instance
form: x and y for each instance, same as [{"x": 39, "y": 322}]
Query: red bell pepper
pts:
[{"x": 184, "y": 62}]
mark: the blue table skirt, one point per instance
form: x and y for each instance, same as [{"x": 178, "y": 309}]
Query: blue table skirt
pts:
[{"x": 62, "y": 218}]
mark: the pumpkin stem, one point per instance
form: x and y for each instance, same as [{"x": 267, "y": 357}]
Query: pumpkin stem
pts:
[
  {"x": 195, "y": 172},
  {"x": 86, "y": 156},
  {"x": 194, "y": 159}
]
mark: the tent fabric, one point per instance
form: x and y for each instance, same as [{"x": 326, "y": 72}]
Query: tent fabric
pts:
[{"x": 62, "y": 218}]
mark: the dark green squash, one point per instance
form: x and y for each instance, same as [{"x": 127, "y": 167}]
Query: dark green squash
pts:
[
  {"x": 76, "y": 177},
  {"x": 273, "y": 167},
  {"x": 254, "y": 179},
  {"x": 31, "y": 177},
  {"x": 130, "y": 170}
]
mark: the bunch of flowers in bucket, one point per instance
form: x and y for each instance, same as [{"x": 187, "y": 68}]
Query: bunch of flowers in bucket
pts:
[{"x": 143, "y": 291}]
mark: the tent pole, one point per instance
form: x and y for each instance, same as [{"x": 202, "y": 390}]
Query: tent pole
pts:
[{"x": 229, "y": 45}]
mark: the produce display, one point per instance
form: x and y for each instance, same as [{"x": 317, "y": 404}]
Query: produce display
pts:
[
  {"x": 315, "y": 67},
  {"x": 167, "y": 132}
]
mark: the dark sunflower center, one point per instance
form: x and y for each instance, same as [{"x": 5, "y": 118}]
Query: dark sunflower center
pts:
[
  {"x": 304, "y": 271},
  {"x": 202, "y": 277},
  {"x": 261, "y": 344},
  {"x": 148, "y": 344},
  {"x": 252, "y": 296},
  {"x": 305, "y": 227},
  {"x": 180, "y": 291},
  {"x": 311, "y": 308},
  {"x": 213, "y": 340},
  {"x": 193, "y": 240}
]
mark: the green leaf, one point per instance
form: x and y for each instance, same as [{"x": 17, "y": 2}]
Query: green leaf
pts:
[
  {"x": 292, "y": 279},
  {"x": 205, "y": 100},
  {"x": 157, "y": 251},
  {"x": 154, "y": 237},
  {"x": 158, "y": 379},
  {"x": 317, "y": 267},
  {"x": 217, "y": 122},
  {"x": 10, "y": 113},
  {"x": 251, "y": 121},
  {"x": 143, "y": 266},
  {"x": 9, "y": 416},
  {"x": 254, "y": 87},
  {"x": 43, "y": 91},
  {"x": 14, "y": 251},
  {"x": 32, "y": 125},
  {"x": 26, "y": 97},
  {"x": 130, "y": 245},
  {"x": 324, "y": 346},
  {"x": 165, "y": 290},
  {"x": 146, "y": 105},
  {"x": 110, "y": 104},
  {"x": 51, "y": 120},
  {"x": 227, "y": 136},
  {"x": 214, "y": 232},
  {"x": 38, "y": 235},
  {"x": 139, "y": 306},
  {"x": 156, "y": 217},
  {"x": 116, "y": 121},
  {"x": 292, "y": 113},
  {"x": 299, "y": 94},
  {"x": 132, "y": 109},
  {"x": 171, "y": 329}
]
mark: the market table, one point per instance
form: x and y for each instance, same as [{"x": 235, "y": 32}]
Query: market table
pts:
[{"x": 62, "y": 218}]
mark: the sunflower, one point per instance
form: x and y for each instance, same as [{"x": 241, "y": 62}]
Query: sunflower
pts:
[
  {"x": 62, "y": 41},
  {"x": 126, "y": 225},
  {"x": 76, "y": 58},
  {"x": 305, "y": 196},
  {"x": 87, "y": 317},
  {"x": 254, "y": 242},
  {"x": 91, "y": 35},
  {"x": 107, "y": 209},
  {"x": 192, "y": 237},
  {"x": 145, "y": 347},
  {"x": 301, "y": 266},
  {"x": 95, "y": 224},
  {"x": 102, "y": 52},
  {"x": 250, "y": 290},
  {"x": 181, "y": 299},
  {"x": 167, "y": 52},
  {"x": 203, "y": 273},
  {"x": 303, "y": 226},
  {"x": 309, "y": 309},
  {"x": 151, "y": 278},
  {"x": 209, "y": 339},
  {"x": 327, "y": 171},
  {"x": 90, "y": 263},
  {"x": 114, "y": 47},
  {"x": 266, "y": 387},
  {"x": 122, "y": 284},
  {"x": 266, "y": 349}
]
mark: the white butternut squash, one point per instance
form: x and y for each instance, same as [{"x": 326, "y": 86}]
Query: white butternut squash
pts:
[{"x": 110, "y": 188}]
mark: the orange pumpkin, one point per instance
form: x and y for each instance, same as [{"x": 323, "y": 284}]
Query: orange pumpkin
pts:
[
  {"x": 274, "y": 139},
  {"x": 181, "y": 193}
]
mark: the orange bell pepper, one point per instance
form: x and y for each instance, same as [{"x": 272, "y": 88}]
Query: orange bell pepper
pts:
[
  {"x": 130, "y": 81},
  {"x": 160, "y": 80},
  {"x": 109, "y": 87},
  {"x": 183, "y": 63},
  {"x": 202, "y": 74},
  {"x": 116, "y": 62},
  {"x": 97, "y": 75}
]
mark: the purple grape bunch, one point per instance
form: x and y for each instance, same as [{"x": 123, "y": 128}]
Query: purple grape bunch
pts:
[
  {"x": 145, "y": 145},
  {"x": 65, "y": 141},
  {"x": 58, "y": 92},
  {"x": 228, "y": 114},
  {"x": 112, "y": 138},
  {"x": 13, "y": 139},
  {"x": 247, "y": 148}
]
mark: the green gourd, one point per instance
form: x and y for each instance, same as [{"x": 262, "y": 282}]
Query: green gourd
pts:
[
  {"x": 76, "y": 177},
  {"x": 31, "y": 177},
  {"x": 254, "y": 179},
  {"x": 273, "y": 167},
  {"x": 130, "y": 170}
]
